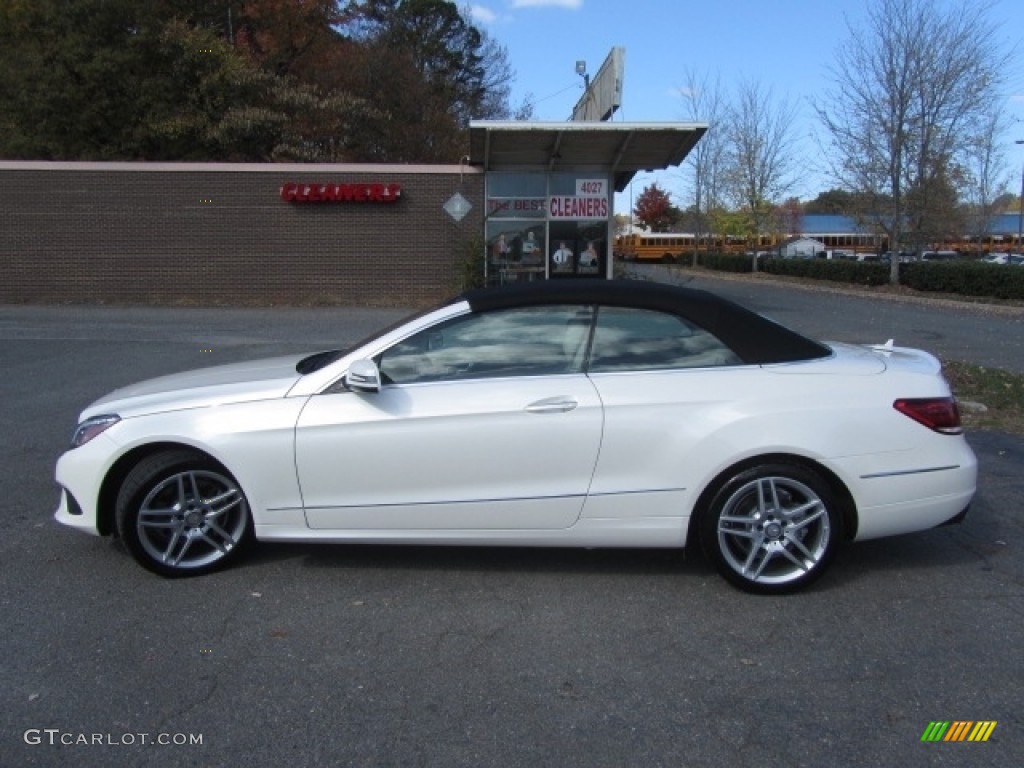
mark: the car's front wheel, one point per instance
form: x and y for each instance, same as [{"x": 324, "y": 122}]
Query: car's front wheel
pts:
[
  {"x": 772, "y": 528},
  {"x": 181, "y": 514}
]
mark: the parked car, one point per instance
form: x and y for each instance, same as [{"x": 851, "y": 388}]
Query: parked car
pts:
[
  {"x": 582, "y": 413},
  {"x": 940, "y": 256},
  {"x": 1004, "y": 258},
  {"x": 997, "y": 258}
]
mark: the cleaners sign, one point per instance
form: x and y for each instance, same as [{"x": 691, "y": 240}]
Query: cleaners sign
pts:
[{"x": 293, "y": 192}]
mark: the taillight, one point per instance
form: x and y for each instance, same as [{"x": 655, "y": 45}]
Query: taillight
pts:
[{"x": 938, "y": 413}]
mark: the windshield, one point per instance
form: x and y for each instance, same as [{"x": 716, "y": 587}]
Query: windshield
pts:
[{"x": 320, "y": 360}]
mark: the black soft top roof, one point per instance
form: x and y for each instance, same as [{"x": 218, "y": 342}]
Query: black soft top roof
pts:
[{"x": 755, "y": 339}]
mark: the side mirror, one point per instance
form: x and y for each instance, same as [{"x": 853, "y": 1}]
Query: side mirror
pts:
[{"x": 363, "y": 376}]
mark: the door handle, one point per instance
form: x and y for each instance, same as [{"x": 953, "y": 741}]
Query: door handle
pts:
[{"x": 559, "y": 404}]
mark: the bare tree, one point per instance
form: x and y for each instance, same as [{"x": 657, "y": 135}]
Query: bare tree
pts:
[
  {"x": 707, "y": 104},
  {"x": 986, "y": 173},
  {"x": 910, "y": 90},
  {"x": 760, "y": 162}
]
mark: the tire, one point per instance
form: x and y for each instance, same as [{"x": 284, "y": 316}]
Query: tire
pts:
[
  {"x": 772, "y": 529},
  {"x": 181, "y": 514}
]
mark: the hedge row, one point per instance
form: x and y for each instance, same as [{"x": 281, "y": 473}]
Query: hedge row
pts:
[
  {"x": 856, "y": 272},
  {"x": 967, "y": 278},
  {"x": 724, "y": 262}
]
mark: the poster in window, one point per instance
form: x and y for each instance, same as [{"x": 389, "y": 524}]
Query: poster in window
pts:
[
  {"x": 563, "y": 258},
  {"x": 590, "y": 258}
]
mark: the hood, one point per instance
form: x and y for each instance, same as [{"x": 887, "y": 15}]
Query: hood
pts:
[{"x": 234, "y": 383}]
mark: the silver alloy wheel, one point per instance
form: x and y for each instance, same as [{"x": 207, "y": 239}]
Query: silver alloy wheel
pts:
[
  {"x": 192, "y": 519},
  {"x": 773, "y": 530}
]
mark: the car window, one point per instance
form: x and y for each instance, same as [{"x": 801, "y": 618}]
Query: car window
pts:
[
  {"x": 525, "y": 341},
  {"x": 644, "y": 340}
]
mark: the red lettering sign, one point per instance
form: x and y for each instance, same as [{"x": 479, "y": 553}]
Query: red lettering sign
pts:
[
  {"x": 564, "y": 207},
  {"x": 374, "y": 192}
]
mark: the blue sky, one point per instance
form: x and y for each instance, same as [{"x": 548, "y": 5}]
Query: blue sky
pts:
[{"x": 784, "y": 46}]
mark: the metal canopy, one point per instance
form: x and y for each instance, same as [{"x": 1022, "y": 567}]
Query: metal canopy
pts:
[{"x": 623, "y": 149}]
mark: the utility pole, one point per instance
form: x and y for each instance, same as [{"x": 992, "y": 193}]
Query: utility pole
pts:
[{"x": 1020, "y": 213}]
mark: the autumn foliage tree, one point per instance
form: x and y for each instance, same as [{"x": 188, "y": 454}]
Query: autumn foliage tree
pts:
[{"x": 654, "y": 209}]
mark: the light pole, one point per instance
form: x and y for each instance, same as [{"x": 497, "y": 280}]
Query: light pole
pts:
[{"x": 1020, "y": 213}]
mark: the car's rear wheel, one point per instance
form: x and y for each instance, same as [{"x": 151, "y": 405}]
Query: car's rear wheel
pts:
[
  {"x": 181, "y": 514},
  {"x": 772, "y": 528}
]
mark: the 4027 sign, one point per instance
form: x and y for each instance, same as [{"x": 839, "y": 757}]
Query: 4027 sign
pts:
[{"x": 592, "y": 188}]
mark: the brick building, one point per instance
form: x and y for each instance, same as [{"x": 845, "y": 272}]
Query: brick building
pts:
[
  {"x": 531, "y": 201},
  {"x": 212, "y": 234}
]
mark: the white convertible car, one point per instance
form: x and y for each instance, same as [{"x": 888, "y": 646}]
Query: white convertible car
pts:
[{"x": 567, "y": 413}]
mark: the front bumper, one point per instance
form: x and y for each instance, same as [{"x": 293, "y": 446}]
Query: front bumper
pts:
[{"x": 79, "y": 474}]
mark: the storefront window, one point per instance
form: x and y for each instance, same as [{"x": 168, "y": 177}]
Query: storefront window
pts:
[
  {"x": 515, "y": 250},
  {"x": 547, "y": 225},
  {"x": 578, "y": 248}
]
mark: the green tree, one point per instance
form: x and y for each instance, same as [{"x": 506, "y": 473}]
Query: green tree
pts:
[
  {"x": 206, "y": 102},
  {"x": 832, "y": 201},
  {"x": 429, "y": 71},
  {"x": 388, "y": 80},
  {"x": 70, "y": 74}
]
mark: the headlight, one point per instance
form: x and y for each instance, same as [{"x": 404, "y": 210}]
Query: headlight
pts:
[{"x": 91, "y": 427}]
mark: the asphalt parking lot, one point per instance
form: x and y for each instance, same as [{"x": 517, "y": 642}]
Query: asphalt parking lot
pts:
[
  {"x": 981, "y": 334},
  {"x": 385, "y": 656}
]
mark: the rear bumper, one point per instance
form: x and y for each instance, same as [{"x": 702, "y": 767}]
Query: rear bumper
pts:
[
  {"x": 913, "y": 491},
  {"x": 959, "y": 518},
  {"x": 917, "y": 503}
]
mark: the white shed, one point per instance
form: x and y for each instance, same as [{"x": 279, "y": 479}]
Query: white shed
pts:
[{"x": 801, "y": 248}]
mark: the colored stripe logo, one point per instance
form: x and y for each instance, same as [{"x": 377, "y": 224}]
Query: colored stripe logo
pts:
[{"x": 958, "y": 730}]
